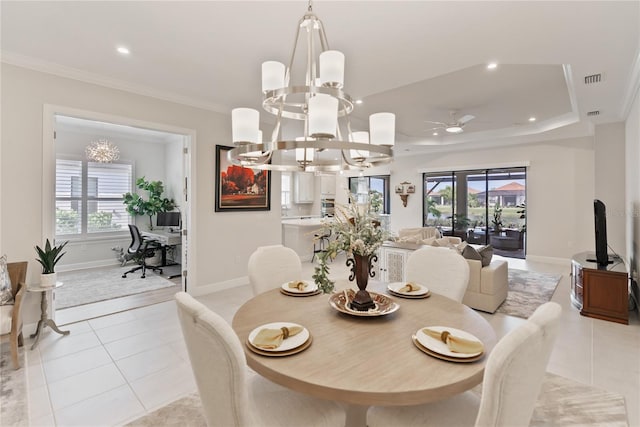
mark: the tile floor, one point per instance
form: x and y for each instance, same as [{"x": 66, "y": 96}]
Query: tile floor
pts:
[{"x": 113, "y": 369}]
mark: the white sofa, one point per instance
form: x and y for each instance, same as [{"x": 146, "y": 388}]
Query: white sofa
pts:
[{"x": 488, "y": 286}]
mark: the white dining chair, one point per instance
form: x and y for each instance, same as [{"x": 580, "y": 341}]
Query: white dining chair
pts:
[
  {"x": 231, "y": 397},
  {"x": 271, "y": 266},
  {"x": 512, "y": 379},
  {"x": 442, "y": 270}
]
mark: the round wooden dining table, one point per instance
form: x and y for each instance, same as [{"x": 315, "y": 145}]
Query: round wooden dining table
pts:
[{"x": 365, "y": 361}]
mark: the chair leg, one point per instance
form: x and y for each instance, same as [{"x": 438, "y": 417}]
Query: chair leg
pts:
[{"x": 14, "y": 352}]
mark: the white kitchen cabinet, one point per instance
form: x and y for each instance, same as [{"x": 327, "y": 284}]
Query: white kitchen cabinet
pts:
[
  {"x": 328, "y": 185},
  {"x": 303, "y": 187}
]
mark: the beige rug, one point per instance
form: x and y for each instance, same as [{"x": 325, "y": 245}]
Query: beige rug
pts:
[
  {"x": 527, "y": 291},
  {"x": 562, "y": 402},
  {"x": 93, "y": 285}
]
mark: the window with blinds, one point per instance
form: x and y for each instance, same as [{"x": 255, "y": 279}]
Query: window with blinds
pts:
[{"x": 89, "y": 197}]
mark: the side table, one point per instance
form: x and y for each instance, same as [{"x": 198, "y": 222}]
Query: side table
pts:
[{"x": 44, "y": 318}]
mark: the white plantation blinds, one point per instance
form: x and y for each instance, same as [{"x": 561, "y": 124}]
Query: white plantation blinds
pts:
[{"x": 89, "y": 197}]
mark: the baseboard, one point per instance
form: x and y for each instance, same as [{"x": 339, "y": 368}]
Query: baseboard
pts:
[
  {"x": 549, "y": 260},
  {"x": 197, "y": 291},
  {"x": 85, "y": 265}
]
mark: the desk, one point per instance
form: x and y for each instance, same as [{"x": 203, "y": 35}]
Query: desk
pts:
[
  {"x": 44, "y": 315},
  {"x": 165, "y": 238},
  {"x": 365, "y": 361}
]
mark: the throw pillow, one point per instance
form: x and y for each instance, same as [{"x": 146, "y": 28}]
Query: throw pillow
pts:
[
  {"x": 443, "y": 242},
  {"x": 6, "y": 297},
  {"x": 429, "y": 241},
  {"x": 414, "y": 238},
  {"x": 486, "y": 252},
  {"x": 460, "y": 247},
  {"x": 470, "y": 252}
]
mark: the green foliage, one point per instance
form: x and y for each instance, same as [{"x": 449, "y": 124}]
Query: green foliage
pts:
[
  {"x": 137, "y": 205},
  {"x": 355, "y": 231},
  {"x": 67, "y": 221},
  {"x": 447, "y": 194},
  {"x": 375, "y": 200},
  {"x": 102, "y": 221},
  {"x": 461, "y": 222},
  {"x": 432, "y": 209},
  {"x": 522, "y": 210},
  {"x": 49, "y": 257},
  {"x": 497, "y": 218}
]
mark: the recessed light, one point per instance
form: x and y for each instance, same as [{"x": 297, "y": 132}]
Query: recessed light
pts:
[
  {"x": 492, "y": 66},
  {"x": 123, "y": 50},
  {"x": 435, "y": 134},
  {"x": 358, "y": 101},
  {"x": 532, "y": 119}
]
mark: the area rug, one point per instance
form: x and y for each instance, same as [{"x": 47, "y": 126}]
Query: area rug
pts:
[
  {"x": 13, "y": 389},
  {"x": 562, "y": 402},
  {"x": 93, "y": 285},
  {"x": 527, "y": 291}
]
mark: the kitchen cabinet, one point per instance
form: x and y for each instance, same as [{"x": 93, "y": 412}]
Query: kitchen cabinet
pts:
[
  {"x": 303, "y": 187},
  {"x": 328, "y": 185}
]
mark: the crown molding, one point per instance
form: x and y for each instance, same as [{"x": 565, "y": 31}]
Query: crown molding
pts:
[{"x": 100, "y": 80}]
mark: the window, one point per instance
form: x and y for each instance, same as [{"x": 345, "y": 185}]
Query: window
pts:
[
  {"x": 285, "y": 192},
  {"x": 378, "y": 189},
  {"x": 89, "y": 197}
]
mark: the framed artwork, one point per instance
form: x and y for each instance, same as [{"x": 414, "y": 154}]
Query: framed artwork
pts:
[
  {"x": 239, "y": 188},
  {"x": 399, "y": 189},
  {"x": 411, "y": 188}
]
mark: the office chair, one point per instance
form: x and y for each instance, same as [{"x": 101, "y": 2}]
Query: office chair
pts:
[{"x": 141, "y": 249}]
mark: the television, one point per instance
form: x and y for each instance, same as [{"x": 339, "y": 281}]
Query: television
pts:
[
  {"x": 600, "y": 221},
  {"x": 168, "y": 219}
]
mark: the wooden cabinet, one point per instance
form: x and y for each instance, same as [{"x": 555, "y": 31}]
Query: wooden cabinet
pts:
[
  {"x": 303, "y": 187},
  {"x": 600, "y": 292}
]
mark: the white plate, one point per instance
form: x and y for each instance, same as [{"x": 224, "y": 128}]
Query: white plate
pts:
[
  {"x": 311, "y": 287},
  {"x": 395, "y": 286},
  {"x": 288, "y": 344},
  {"x": 438, "y": 346}
]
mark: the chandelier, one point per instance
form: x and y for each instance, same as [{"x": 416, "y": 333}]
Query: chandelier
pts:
[
  {"x": 102, "y": 151},
  {"x": 319, "y": 103}
]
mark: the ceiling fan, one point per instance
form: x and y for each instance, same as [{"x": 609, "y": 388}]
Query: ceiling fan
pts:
[{"x": 454, "y": 126}]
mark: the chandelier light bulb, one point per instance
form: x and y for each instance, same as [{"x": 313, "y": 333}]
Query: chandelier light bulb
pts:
[
  {"x": 102, "y": 151},
  {"x": 323, "y": 116},
  {"x": 272, "y": 75},
  {"x": 382, "y": 128},
  {"x": 245, "y": 125},
  {"x": 332, "y": 68}
]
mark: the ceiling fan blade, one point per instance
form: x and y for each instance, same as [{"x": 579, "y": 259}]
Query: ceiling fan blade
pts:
[
  {"x": 435, "y": 123},
  {"x": 465, "y": 119}
]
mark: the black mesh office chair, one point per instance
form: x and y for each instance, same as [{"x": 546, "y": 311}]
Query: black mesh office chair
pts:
[{"x": 141, "y": 249}]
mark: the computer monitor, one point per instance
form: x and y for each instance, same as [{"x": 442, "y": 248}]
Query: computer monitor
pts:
[{"x": 168, "y": 219}]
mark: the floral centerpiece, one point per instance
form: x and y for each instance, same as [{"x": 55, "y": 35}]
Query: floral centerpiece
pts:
[{"x": 355, "y": 231}]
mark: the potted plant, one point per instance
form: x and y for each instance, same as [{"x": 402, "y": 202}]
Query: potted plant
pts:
[
  {"x": 48, "y": 258},
  {"x": 137, "y": 205}
]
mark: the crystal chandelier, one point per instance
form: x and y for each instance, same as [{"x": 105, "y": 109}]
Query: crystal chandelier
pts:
[
  {"x": 323, "y": 108},
  {"x": 102, "y": 151}
]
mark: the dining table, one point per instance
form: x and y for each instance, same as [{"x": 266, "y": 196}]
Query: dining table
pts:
[{"x": 363, "y": 361}]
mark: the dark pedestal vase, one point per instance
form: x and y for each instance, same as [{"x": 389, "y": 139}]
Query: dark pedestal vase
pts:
[{"x": 361, "y": 270}]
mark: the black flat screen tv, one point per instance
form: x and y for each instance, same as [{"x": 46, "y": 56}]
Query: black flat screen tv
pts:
[{"x": 600, "y": 220}]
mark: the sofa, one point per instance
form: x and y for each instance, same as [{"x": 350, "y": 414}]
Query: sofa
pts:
[{"x": 488, "y": 285}]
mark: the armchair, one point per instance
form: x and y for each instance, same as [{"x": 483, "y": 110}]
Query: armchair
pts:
[
  {"x": 141, "y": 249},
  {"x": 10, "y": 313}
]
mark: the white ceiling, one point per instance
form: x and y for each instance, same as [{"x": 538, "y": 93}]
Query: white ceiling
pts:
[{"x": 418, "y": 59}]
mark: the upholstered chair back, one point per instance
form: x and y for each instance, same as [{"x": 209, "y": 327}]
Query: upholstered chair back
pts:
[
  {"x": 218, "y": 362},
  {"x": 271, "y": 266},
  {"x": 515, "y": 370},
  {"x": 442, "y": 270}
]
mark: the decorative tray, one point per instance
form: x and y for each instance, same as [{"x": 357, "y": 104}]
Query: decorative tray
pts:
[{"x": 384, "y": 305}]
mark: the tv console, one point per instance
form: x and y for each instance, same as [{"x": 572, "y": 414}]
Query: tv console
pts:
[{"x": 600, "y": 291}]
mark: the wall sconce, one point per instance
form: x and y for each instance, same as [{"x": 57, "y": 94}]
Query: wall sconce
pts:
[{"x": 404, "y": 189}]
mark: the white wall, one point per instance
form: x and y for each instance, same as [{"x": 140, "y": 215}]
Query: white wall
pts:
[
  {"x": 223, "y": 241},
  {"x": 632, "y": 202},
  {"x": 610, "y": 182}
]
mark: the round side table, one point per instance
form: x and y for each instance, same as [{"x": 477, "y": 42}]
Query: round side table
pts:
[{"x": 45, "y": 320}]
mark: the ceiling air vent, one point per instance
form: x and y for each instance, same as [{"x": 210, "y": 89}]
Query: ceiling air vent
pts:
[
  {"x": 593, "y": 113},
  {"x": 593, "y": 78}
]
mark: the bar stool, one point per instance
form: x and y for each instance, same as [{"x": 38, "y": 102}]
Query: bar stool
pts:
[{"x": 320, "y": 242}]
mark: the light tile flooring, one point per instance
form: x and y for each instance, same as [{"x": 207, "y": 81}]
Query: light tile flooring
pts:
[{"x": 113, "y": 369}]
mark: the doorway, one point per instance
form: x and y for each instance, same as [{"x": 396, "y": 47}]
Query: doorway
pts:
[{"x": 86, "y": 207}]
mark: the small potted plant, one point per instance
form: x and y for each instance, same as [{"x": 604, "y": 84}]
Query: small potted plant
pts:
[{"x": 48, "y": 258}]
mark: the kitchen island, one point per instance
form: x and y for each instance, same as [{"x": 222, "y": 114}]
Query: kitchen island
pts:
[{"x": 298, "y": 233}]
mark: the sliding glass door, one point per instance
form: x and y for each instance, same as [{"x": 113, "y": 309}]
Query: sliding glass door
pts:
[{"x": 483, "y": 207}]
